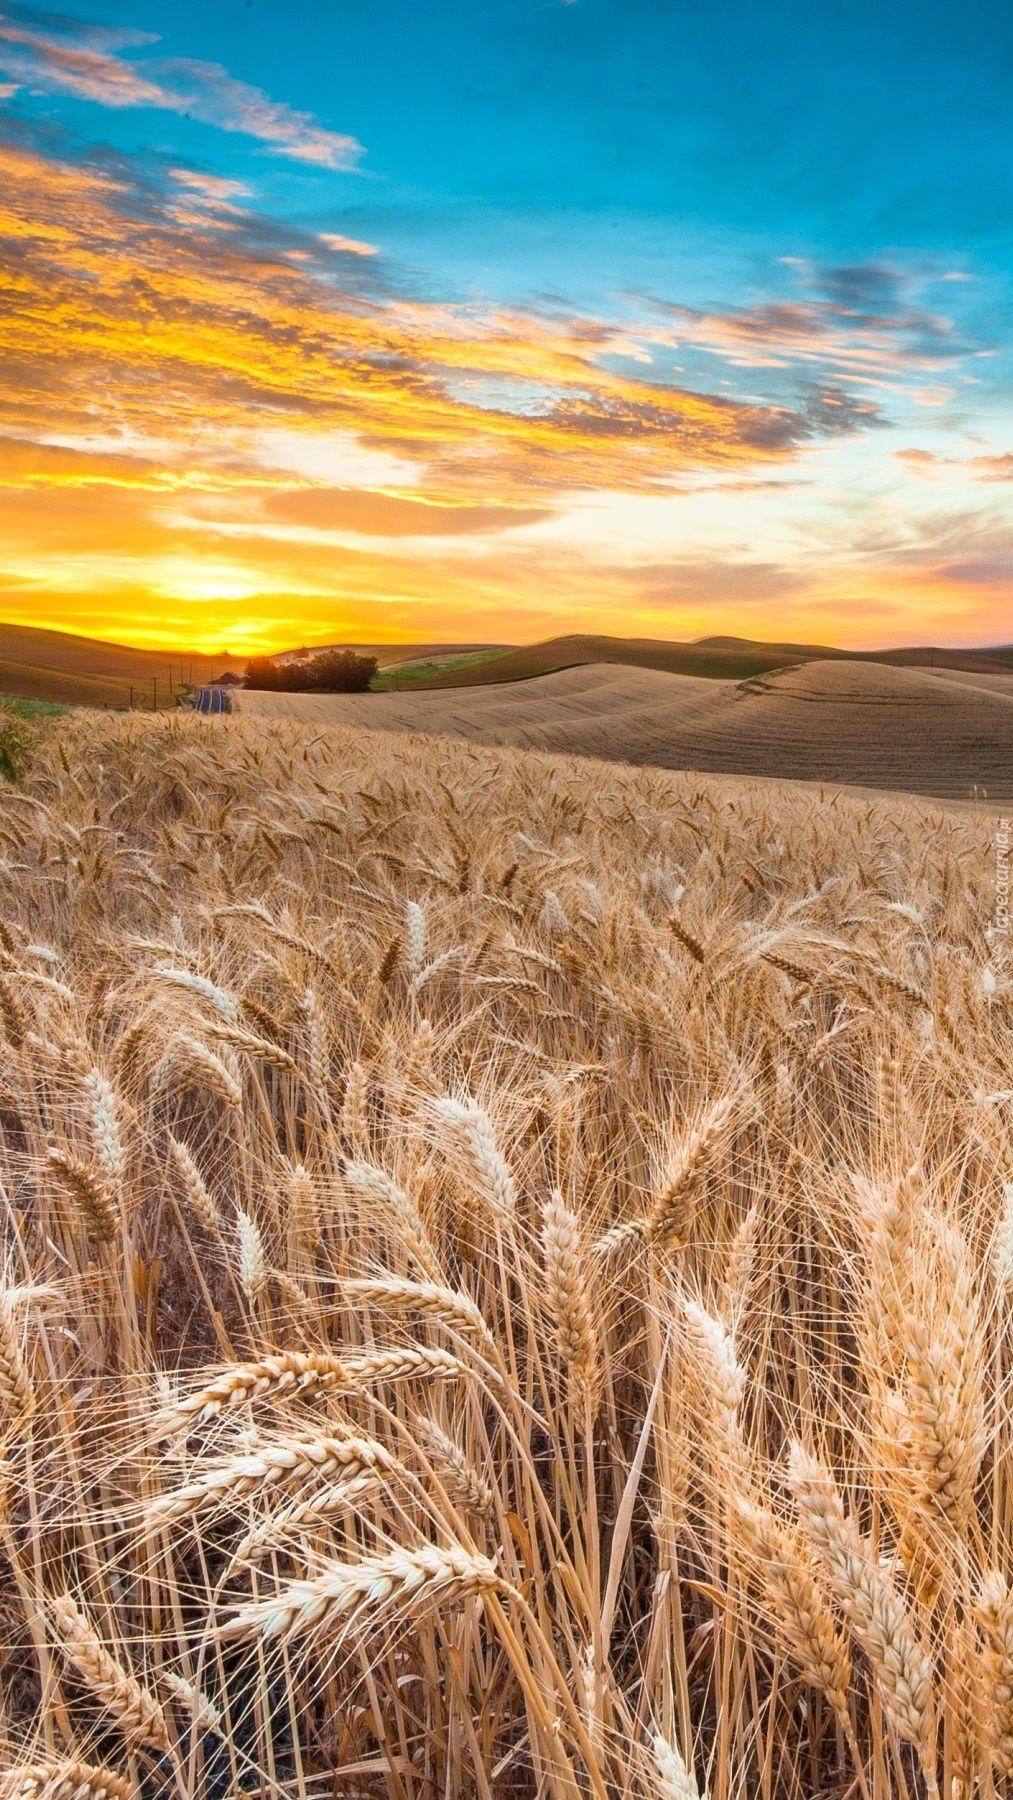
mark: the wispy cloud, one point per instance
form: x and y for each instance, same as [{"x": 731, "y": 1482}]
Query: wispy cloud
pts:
[
  {"x": 347, "y": 246},
  {"x": 857, "y": 323},
  {"x": 87, "y": 62},
  {"x": 929, "y": 466}
]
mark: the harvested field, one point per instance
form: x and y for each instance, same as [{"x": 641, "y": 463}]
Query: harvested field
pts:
[
  {"x": 508, "y": 1277},
  {"x": 853, "y": 723}
]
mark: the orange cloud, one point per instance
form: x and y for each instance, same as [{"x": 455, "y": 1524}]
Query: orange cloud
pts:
[{"x": 206, "y": 340}]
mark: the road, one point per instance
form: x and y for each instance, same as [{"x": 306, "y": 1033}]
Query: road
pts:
[{"x": 213, "y": 700}]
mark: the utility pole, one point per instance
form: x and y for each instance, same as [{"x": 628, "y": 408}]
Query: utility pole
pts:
[
  {"x": 131, "y": 700},
  {"x": 154, "y": 693}
]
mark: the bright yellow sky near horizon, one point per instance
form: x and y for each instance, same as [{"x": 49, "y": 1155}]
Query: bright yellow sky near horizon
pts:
[{"x": 213, "y": 437}]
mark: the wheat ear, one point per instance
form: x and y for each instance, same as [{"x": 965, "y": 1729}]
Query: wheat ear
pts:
[
  {"x": 449, "y": 1304},
  {"x": 198, "y": 1197},
  {"x": 251, "y": 1260},
  {"x": 303, "y": 1373},
  {"x": 107, "y": 1135},
  {"x": 352, "y": 1118},
  {"x": 137, "y": 1714},
  {"x": 676, "y": 1780},
  {"x": 302, "y": 1208},
  {"x": 305, "y": 1515},
  {"x": 366, "y": 1182},
  {"x": 873, "y": 1607},
  {"x": 64, "y": 1781},
  {"x": 222, "y": 1002},
  {"x": 96, "y": 1204},
  {"x": 273, "y": 1465},
  {"x": 201, "y": 1711},
  {"x": 568, "y": 1296},
  {"x": 17, "y": 1395},
  {"x": 799, "y": 1611},
  {"x": 471, "y": 1126},
  {"x": 994, "y": 1612},
  {"x": 721, "y": 1375},
  {"x": 261, "y": 1049},
  {"x": 465, "y": 1486},
  {"x": 739, "y": 1269},
  {"x": 664, "y": 1214},
  {"x": 619, "y": 1237},
  {"x": 411, "y": 1578},
  {"x": 197, "y": 1060}
]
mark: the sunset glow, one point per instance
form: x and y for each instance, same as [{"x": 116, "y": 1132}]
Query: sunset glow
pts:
[{"x": 253, "y": 396}]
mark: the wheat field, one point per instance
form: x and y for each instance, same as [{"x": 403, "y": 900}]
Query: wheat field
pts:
[{"x": 508, "y": 1278}]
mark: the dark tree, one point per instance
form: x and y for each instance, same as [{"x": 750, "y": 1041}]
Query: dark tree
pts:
[{"x": 332, "y": 672}]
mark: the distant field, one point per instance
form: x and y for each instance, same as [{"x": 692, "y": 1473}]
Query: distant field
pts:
[
  {"x": 856, "y": 723},
  {"x": 79, "y": 671},
  {"x": 425, "y": 671},
  {"x": 31, "y": 709},
  {"x": 718, "y": 658}
]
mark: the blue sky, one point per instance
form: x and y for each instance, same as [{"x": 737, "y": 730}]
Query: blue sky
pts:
[{"x": 798, "y": 216}]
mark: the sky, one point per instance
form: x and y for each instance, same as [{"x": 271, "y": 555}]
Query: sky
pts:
[{"x": 369, "y": 321}]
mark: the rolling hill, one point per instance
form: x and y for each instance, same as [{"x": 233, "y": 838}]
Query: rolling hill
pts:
[
  {"x": 843, "y": 721},
  {"x": 715, "y": 658}
]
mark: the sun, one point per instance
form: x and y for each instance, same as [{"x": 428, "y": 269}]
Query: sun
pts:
[{"x": 187, "y": 579}]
